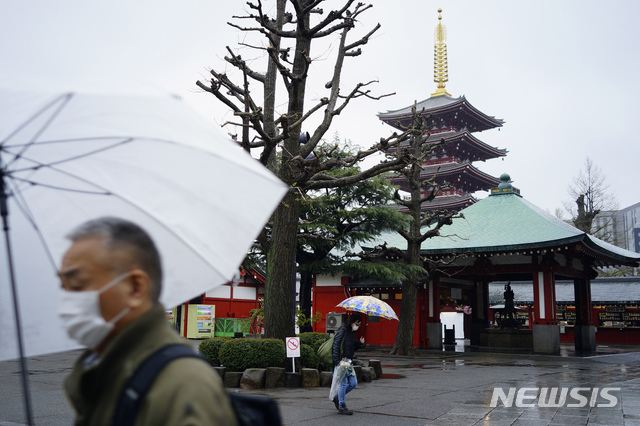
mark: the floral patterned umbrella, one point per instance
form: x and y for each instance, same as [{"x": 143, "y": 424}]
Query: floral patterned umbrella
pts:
[{"x": 368, "y": 305}]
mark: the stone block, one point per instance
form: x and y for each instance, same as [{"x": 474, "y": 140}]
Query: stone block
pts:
[
  {"x": 506, "y": 338},
  {"x": 253, "y": 378},
  {"x": 292, "y": 380},
  {"x": 220, "y": 370},
  {"x": 434, "y": 334},
  {"x": 232, "y": 379},
  {"x": 325, "y": 379},
  {"x": 368, "y": 374},
  {"x": 377, "y": 367},
  {"x": 358, "y": 370},
  {"x": 274, "y": 378},
  {"x": 546, "y": 338},
  {"x": 310, "y": 378}
]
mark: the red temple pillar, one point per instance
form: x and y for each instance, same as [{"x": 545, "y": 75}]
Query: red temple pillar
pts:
[
  {"x": 546, "y": 333},
  {"x": 544, "y": 298}
]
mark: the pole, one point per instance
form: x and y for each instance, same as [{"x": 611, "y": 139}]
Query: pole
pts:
[{"x": 4, "y": 211}]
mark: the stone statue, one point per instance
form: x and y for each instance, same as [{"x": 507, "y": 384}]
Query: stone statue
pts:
[{"x": 508, "y": 320}]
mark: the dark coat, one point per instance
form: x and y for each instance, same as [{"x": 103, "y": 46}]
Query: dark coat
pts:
[{"x": 346, "y": 338}]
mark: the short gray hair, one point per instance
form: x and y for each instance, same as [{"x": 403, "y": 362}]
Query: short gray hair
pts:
[{"x": 120, "y": 233}]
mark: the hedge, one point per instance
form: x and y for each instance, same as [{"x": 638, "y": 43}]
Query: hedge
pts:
[
  {"x": 313, "y": 339},
  {"x": 210, "y": 348},
  {"x": 308, "y": 357},
  {"x": 240, "y": 354}
]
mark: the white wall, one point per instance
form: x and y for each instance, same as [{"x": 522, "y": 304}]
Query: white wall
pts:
[
  {"x": 221, "y": 291},
  {"x": 327, "y": 280},
  {"x": 244, "y": 293}
]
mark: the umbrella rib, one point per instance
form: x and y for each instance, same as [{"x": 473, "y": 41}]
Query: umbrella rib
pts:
[
  {"x": 74, "y": 140},
  {"x": 23, "y": 206},
  {"x": 81, "y": 191},
  {"x": 159, "y": 222},
  {"x": 40, "y": 165},
  {"x": 65, "y": 100},
  {"x": 107, "y": 192}
]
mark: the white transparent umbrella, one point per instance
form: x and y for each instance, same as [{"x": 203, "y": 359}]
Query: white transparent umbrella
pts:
[{"x": 69, "y": 157}]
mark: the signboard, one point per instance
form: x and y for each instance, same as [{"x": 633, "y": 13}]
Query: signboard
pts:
[
  {"x": 614, "y": 316},
  {"x": 456, "y": 293},
  {"x": 293, "y": 347}
]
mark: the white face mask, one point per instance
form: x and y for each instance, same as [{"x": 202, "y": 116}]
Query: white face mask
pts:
[
  {"x": 355, "y": 327},
  {"x": 81, "y": 316}
]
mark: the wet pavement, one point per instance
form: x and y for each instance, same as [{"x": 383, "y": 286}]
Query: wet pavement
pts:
[{"x": 451, "y": 387}]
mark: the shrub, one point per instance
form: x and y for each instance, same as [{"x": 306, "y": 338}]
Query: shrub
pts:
[
  {"x": 308, "y": 357},
  {"x": 210, "y": 348},
  {"x": 313, "y": 339},
  {"x": 240, "y": 354},
  {"x": 269, "y": 353}
]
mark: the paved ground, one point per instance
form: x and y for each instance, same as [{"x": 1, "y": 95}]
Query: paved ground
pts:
[{"x": 434, "y": 388}]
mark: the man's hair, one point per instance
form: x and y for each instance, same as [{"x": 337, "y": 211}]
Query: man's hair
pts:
[
  {"x": 353, "y": 318},
  {"x": 119, "y": 233}
]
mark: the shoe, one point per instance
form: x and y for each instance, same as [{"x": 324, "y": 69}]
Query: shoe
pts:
[
  {"x": 335, "y": 401},
  {"x": 344, "y": 410}
]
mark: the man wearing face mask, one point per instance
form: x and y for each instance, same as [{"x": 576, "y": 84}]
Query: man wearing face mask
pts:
[
  {"x": 344, "y": 347},
  {"x": 111, "y": 280}
]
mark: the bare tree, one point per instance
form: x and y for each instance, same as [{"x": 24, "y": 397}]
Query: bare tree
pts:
[
  {"x": 592, "y": 196},
  {"x": 283, "y": 147}
]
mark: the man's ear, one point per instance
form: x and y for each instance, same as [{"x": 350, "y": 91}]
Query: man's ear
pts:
[{"x": 140, "y": 290}]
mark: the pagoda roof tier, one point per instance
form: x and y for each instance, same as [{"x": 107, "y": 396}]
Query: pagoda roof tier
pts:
[
  {"x": 445, "y": 112},
  {"x": 449, "y": 202},
  {"x": 446, "y": 202},
  {"x": 460, "y": 175},
  {"x": 463, "y": 145}
]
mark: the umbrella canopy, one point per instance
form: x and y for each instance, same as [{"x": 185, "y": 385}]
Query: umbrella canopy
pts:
[
  {"x": 369, "y": 305},
  {"x": 68, "y": 157}
]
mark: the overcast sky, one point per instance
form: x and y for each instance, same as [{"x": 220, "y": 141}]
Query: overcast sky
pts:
[{"x": 562, "y": 75}]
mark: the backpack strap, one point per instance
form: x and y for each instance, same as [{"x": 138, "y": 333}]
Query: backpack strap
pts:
[{"x": 140, "y": 382}]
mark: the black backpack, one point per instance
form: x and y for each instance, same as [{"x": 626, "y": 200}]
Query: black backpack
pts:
[{"x": 249, "y": 409}]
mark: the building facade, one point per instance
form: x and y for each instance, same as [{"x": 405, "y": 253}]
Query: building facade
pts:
[
  {"x": 622, "y": 227},
  {"x": 615, "y": 307}
]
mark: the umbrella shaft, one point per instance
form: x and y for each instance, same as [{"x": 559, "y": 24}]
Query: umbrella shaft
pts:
[
  {"x": 4, "y": 211},
  {"x": 23, "y": 361}
]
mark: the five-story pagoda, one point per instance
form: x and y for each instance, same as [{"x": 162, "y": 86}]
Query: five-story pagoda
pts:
[{"x": 455, "y": 120}]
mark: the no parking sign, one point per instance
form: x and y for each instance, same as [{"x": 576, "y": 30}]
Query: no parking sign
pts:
[
  {"x": 293, "y": 350},
  {"x": 293, "y": 347}
]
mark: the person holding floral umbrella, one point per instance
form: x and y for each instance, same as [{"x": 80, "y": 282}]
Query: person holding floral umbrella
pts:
[{"x": 345, "y": 345}]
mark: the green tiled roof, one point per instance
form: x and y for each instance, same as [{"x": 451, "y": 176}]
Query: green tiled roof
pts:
[
  {"x": 503, "y": 221},
  {"x": 507, "y": 221}
]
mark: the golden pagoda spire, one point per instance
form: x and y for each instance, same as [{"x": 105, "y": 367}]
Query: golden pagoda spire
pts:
[{"x": 440, "y": 66}]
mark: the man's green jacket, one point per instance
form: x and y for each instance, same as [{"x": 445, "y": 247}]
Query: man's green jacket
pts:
[{"x": 186, "y": 392}]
